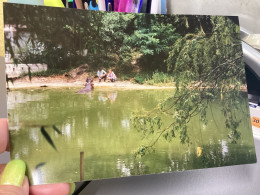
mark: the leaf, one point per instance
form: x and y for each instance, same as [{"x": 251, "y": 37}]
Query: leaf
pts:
[
  {"x": 40, "y": 165},
  {"x": 56, "y": 129},
  {"x": 47, "y": 137}
]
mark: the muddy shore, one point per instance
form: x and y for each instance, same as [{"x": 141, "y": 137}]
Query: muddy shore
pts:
[{"x": 63, "y": 81}]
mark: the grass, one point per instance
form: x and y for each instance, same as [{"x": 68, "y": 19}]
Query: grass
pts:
[
  {"x": 156, "y": 78},
  {"x": 160, "y": 78}
]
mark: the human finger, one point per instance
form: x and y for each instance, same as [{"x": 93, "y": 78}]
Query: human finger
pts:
[
  {"x": 57, "y": 189},
  {"x": 13, "y": 180},
  {"x": 4, "y": 136}
]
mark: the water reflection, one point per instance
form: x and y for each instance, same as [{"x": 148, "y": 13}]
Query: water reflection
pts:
[
  {"x": 110, "y": 95},
  {"x": 99, "y": 124},
  {"x": 224, "y": 147},
  {"x": 102, "y": 98},
  {"x": 125, "y": 123},
  {"x": 125, "y": 171},
  {"x": 67, "y": 130},
  {"x": 34, "y": 135}
]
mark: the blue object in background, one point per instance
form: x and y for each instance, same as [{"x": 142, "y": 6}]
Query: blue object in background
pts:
[
  {"x": 144, "y": 6},
  {"x": 93, "y": 8},
  {"x": 163, "y": 7},
  {"x": 74, "y": 4},
  {"x": 112, "y": 5},
  {"x": 140, "y": 6}
]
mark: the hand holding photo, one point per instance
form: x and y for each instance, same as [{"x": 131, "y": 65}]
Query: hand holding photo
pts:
[{"x": 96, "y": 95}]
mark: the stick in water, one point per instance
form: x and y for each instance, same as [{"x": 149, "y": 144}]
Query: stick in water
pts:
[{"x": 81, "y": 166}]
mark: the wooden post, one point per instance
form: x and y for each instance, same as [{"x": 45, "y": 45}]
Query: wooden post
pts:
[{"x": 81, "y": 166}]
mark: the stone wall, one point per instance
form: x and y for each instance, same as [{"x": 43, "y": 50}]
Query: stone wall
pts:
[{"x": 13, "y": 70}]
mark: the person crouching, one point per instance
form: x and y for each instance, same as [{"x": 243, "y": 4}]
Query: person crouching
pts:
[
  {"x": 111, "y": 76},
  {"x": 101, "y": 74}
]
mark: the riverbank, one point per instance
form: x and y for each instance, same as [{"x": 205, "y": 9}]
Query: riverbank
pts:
[
  {"x": 79, "y": 81},
  {"x": 63, "y": 81}
]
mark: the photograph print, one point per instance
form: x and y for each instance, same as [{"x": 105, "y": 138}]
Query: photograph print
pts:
[{"x": 95, "y": 95}]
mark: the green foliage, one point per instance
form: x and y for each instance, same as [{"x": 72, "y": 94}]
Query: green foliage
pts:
[
  {"x": 140, "y": 78},
  {"x": 206, "y": 68},
  {"x": 153, "y": 38},
  {"x": 202, "y": 53},
  {"x": 211, "y": 65},
  {"x": 160, "y": 78},
  {"x": 147, "y": 125},
  {"x": 143, "y": 150},
  {"x": 126, "y": 42},
  {"x": 125, "y": 78},
  {"x": 156, "y": 78}
]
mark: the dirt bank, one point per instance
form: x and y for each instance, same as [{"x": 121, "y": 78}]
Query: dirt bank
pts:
[{"x": 65, "y": 81}]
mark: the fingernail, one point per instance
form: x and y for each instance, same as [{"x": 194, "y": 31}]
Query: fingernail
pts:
[
  {"x": 72, "y": 188},
  {"x": 13, "y": 173}
]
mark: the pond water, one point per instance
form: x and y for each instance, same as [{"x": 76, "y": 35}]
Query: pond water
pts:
[{"x": 98, "y": 124}]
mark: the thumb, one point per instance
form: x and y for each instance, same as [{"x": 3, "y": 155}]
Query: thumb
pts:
[{"x": 13, "y": 180}]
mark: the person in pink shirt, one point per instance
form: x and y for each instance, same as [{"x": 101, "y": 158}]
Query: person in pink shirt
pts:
[{"x": 111, "y": 76}]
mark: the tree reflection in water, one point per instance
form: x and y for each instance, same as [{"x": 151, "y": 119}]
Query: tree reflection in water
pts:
[{"x": 102, "y": 129}]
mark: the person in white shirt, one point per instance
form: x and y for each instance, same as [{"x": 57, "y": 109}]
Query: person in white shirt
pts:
[{"x": 101, "y": 74}]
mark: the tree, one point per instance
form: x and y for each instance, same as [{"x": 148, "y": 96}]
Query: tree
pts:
[
  {"x": 206, "y": 67},
  {"x": 110, "y": 39}
]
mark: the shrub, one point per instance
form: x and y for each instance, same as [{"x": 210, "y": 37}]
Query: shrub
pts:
[
  {"x": 140, "y": 78},
  {"x": 159, "y": 77}
]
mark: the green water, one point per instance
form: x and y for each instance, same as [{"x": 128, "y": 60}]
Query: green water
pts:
[{"x": 99, "y": 125}]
